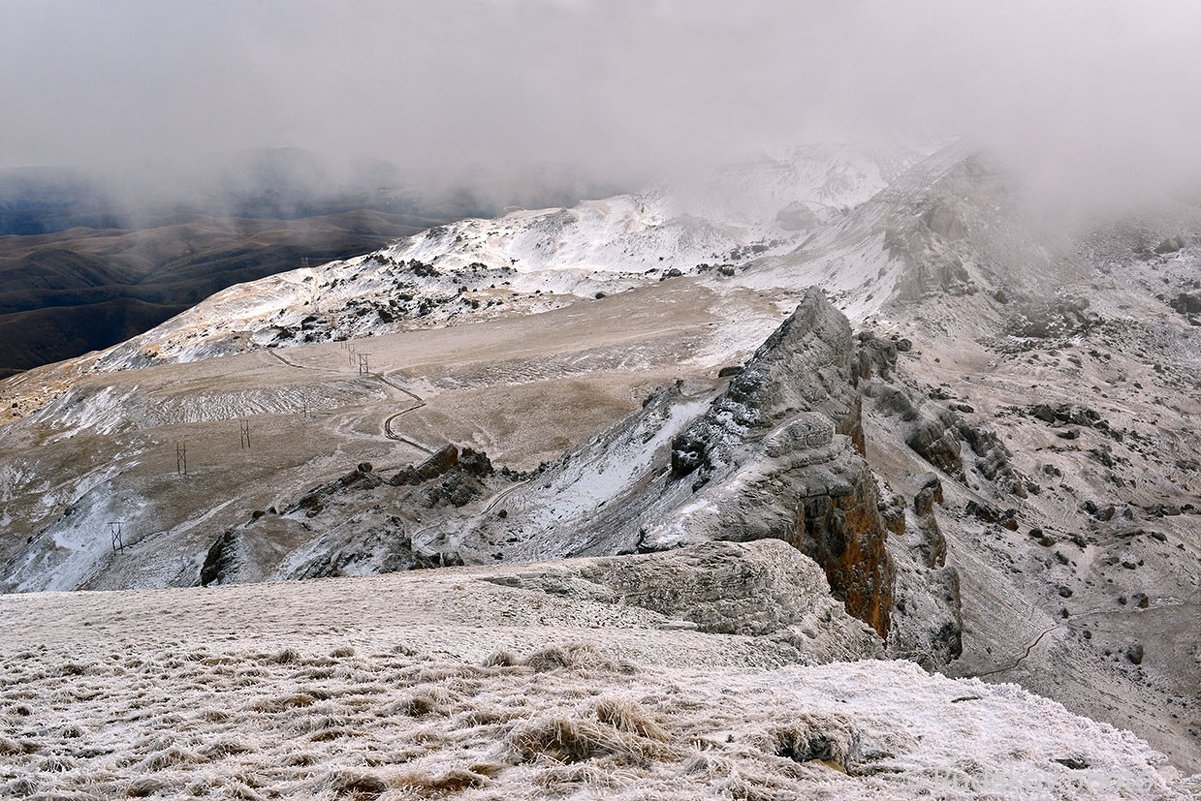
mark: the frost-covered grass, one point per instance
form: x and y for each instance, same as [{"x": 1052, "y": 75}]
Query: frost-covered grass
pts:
[{"x": 260, "y": 693}]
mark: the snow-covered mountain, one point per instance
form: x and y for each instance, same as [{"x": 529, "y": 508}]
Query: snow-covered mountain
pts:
[
  {"x": 712, "y": 225},
  {"x": 978, "y": 423}
]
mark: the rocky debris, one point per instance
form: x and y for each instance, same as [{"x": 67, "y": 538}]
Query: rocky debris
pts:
[
  {"x": 1068, "y": 414},
  {"x": 1051, "y": 319},
  {"x": 929, "y": 243},
  {"x": 398, "y": 555},
  {"x": 931, "y": 429},
  {"x": 876, "y": 357},
  {"x": 936, "y": 433},
  {"x": 1188, "y": 304},
  {"x": 797, "y": 216},
  {"x": 929, "y": 494},
  {"x": 435, "y": 465},
  {"x": 221, "y": 561},
  {"x": 927, "y": 624},
  {"x": 315, "y": 501},
  {"x": 475, "y": 463},
  {"x": 992, "y": 459},
  {"x": 1170, "y": 245},
  {"x": 469, "y": 462},
  {"x": 987, "y": 513},
  {"x": 457, "y": 487}
]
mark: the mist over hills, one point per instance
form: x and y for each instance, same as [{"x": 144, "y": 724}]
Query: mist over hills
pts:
[
  {"x": 574, "y": 399},
  {"x": 88, "y": 260}
]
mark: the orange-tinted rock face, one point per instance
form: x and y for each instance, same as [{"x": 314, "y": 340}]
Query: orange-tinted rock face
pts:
[{"x": 843, "y": 532}]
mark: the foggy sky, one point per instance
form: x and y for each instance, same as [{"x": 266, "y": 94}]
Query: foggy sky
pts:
[{"x": 1087, "y": 95}]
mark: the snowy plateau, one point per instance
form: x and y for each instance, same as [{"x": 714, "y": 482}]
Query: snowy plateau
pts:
[{"x": 841, "y": 473}]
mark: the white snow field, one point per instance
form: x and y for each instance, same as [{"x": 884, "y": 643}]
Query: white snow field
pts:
[{"x": 449, "y": 684}]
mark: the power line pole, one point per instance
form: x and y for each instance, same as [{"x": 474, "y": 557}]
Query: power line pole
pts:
[
  {"x": 364, "y": 367},
  {"x": 244, "y": 434},
  {"x": 116, "y": 531},
  {"x": 181, "y": 459}
]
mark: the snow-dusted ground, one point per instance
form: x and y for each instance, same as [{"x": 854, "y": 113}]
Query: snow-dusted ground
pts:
[
  {"x": 534, "y": 261},
  {"x": 441, "y": 684},
  {"x": 924, "y": 258}
]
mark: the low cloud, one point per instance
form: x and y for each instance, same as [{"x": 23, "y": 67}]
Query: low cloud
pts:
[{"x": 1088, "y": 99}]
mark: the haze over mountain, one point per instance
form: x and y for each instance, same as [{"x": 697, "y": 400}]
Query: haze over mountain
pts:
[
  {"x": 831, "y": 433},
  {"x": 85, "y": 263}
]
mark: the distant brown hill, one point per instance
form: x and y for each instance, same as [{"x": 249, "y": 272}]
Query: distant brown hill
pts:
[{"x": 72, "y": 291}]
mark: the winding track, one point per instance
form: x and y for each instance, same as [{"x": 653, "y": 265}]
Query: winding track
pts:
[{"x": 388, "y": 431}]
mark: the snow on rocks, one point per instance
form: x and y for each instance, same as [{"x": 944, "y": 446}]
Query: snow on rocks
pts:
[{"x": 535, "y": 261}]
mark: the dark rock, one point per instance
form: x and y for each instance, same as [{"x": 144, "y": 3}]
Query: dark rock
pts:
[
  {"x": 1188, "y": 303},
  {"x": 475, "y": 463},
  {"x": 435, "y": 465},
  {"x": 929, "y": 494},
  {"x": 732, "y": 370},
  {"x": 221, "y": 560},
  {"x": 876, "y": 357},
  {"x": 1169, "y": 245},
  {"x": 1135, "y": 653}
]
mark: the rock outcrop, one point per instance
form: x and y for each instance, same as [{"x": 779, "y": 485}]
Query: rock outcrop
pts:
[
  {"x": 777, "y": 455},
  {"x": 760, "y": 589}
]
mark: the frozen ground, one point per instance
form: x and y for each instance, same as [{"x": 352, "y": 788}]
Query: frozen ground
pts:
[
  {"x": 449, "y": 685},
  {"x": 1088, "y": 593}
]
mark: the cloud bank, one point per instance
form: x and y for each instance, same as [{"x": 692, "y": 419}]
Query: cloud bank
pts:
[{"x": 1092, "y": 95}]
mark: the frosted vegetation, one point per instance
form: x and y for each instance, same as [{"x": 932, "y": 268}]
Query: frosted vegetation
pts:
[{"x": 409, "y": 686}]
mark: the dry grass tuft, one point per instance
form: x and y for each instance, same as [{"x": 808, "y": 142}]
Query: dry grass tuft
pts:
[
  {"x": 628, "y": 716},
  {"x": 172, "y": 758},
  {"x": 572, "y": 656},
  {"x": 429, "y": 701},
  {"x": 288, "y": 656},
  {"x": 295, "y": 700},
  {"x": 578, "y": 739},
  {"x": 342, "y": 652},
  {"x": 501, "y": 659},
  {"x": 831, "y": 741},
  {"x": 10, "y": 747},
  {"x": 419, "y": 785},
  {"x": 145, "y": 787},
  {"x": 58, "y": 763},
  {"x": 354, "y": 784}
]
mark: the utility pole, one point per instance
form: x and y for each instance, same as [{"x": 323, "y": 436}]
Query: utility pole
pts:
[
  {"x": 364, "y": 367},
  {"x": 181, "y": 459},
  {"x": 244, "y": 433},
  {"x": 116, "y": 530}
]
